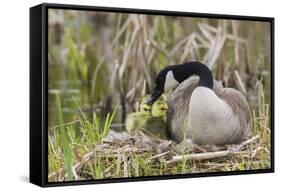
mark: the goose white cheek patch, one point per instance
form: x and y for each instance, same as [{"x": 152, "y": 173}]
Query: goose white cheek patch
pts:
[{"x": 170, "y": 82}]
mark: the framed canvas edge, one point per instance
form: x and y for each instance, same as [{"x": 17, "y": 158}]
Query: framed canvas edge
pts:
[
  {"x": 44, "y": 77},
  {"x": 36, "y": 143},
  {"x": 155, "y": 12}
]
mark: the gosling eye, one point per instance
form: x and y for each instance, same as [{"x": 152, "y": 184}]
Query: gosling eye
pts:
[{"x": 163, "y": 109}]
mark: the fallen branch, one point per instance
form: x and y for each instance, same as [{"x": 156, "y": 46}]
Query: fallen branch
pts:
[
  {"x": 159, "y": 155},
  {"x": 212, "y": 155},
  {"x": 204, "y": 156}
]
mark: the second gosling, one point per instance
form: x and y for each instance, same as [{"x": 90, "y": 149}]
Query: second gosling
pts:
[{"x": 151, "y": 120}]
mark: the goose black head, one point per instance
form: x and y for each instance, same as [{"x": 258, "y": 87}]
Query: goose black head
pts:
[
  {"x": 165, "y": 81},
  {"x": 171, "y": 76}
]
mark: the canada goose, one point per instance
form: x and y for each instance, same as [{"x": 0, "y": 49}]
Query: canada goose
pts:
[
  {"x": 214, "y": 115},
  {"x": 151, "y": 119},
  {"x": 179, "y": 106}
]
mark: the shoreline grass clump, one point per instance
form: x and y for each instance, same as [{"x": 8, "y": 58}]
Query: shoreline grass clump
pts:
[{"x": 66, "y": 146}]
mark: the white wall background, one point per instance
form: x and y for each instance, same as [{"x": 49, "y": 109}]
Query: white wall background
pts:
[{"x": 14, "y": 96}]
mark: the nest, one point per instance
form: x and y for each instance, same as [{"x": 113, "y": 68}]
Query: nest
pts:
[{"x": 120, "y": 148}]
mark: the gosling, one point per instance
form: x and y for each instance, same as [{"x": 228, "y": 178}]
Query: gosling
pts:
[{"x": 151, "y": 120}]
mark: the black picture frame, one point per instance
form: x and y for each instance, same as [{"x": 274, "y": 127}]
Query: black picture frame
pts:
[{"x": 39, "y": 92}]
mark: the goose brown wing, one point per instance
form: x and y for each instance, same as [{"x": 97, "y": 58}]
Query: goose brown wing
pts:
[{"x": 240, "y": 108}]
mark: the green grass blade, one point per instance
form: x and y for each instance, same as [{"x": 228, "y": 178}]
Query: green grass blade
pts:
[{"x": 65, "y": 145}]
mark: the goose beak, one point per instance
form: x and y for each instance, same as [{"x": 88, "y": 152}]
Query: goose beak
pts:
[{"x": 153, "y": 97}]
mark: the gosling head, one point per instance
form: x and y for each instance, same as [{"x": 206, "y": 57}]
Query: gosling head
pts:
[
  {"x": 159, "y": 108},
  {"x": 145, "y": 108}
]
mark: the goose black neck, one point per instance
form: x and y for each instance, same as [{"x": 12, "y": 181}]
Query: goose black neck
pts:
[{"x": 188, "y": 69}]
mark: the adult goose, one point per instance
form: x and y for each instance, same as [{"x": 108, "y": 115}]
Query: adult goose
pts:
[{"x": 214, "y": 115}]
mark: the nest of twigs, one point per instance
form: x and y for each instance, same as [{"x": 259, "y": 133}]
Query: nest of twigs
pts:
[{"x": 121, "y": 149}]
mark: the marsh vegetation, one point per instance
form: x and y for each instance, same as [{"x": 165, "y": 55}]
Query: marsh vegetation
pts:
[{"x": 100, "y": 65}]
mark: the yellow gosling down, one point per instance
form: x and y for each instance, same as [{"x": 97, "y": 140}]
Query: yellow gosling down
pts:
[
  {"x": 137, "y": 120},
  {"x": 151, "y": 120}
]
